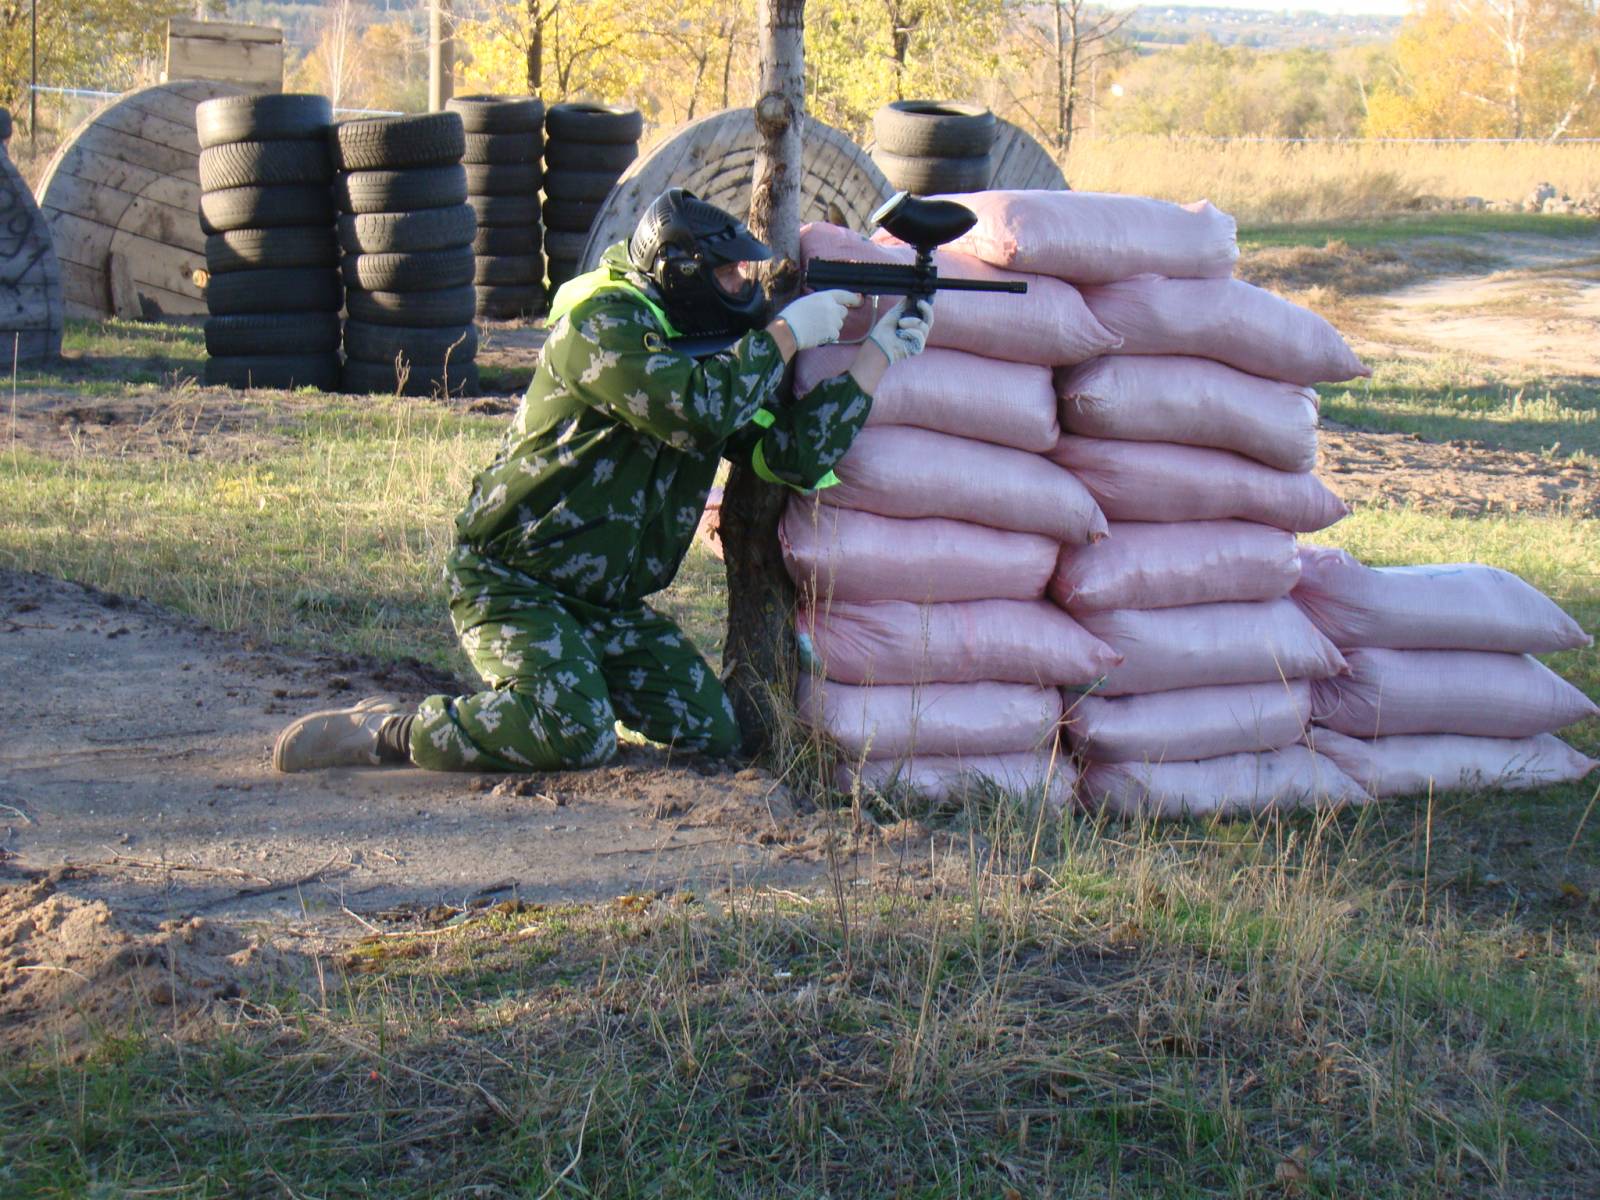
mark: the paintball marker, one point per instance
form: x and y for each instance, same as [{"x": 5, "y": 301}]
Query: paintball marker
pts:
[{"x": 925, "y": 225}]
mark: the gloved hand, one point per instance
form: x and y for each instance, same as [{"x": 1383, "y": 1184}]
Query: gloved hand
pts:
[
  {"x": 816, "y": 320},
  {"x": 900, "y": 336}
]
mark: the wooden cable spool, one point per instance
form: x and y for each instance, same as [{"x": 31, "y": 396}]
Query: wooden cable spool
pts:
[
  {"x": 1019, "y": 163},
  {"x": 122, "y": 198},
  {"x": 714, "y": 157},
  {"x": 30, "y": 298}
]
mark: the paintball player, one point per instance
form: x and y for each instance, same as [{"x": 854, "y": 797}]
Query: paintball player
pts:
[{"x": 594, "y": 498}]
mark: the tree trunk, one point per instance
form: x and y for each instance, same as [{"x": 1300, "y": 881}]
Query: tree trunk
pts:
[
  {"x": 1061, "y": 82},
  {"x": 1074, "y": 74},
  {"x": 535, "y": 46},
  {"x": 759, "y": 658}
]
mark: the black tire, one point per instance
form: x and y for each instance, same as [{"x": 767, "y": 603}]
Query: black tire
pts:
[
  {"x": 443, "y": 306},
  {"x": 370, "y": 343},
  {"x": 931, "y": 176},
  {"x": 274, "y": 371},
  {"x": 407, "y": 232},
  {"x": 579, "y": 185},
  {"x": 507, "y": 302},
  {"x": 389, "y": 143},
  {"x": 934, "y": 129},
  {"x": 254, "y": 164},
  {"x": 513, "y": 269},
  {"x": 424, "y": 270},
  {"x": 503, "y": 179},
  {"x": 506, "y": 210},
  {"x": 411, "y": 379},
  {"x": 273, "y": 333},
  {"x": 6, "y": 127},
  {"x": 598, "y": 157},
  {"x": 573, "y": 216},
  {"x": 507, "y": 239},
  {"x": 503, "y": 148},
  {"x": 262, "y": 118},
  {"x": 559, "y": 243},
  {"x": 252, "y": 249},
  {"x": 265, "y": 208},
  {"x": 560, "y": 270},
  {"x": 593, "y": 123},
  {"x": 275, "y": 290},
  {"x": 400, "y": 191},
  {"x": 498, "y": 114}
]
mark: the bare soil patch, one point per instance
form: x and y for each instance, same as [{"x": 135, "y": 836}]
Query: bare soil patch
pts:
[{"x": 140, "y": 757}]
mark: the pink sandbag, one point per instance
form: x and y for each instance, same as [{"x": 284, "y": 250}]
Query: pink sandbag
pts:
[
  {"x": 1011, "y": 641},
  {"x": 1050, "y": 325},
  {"x": 1225, "y": 319},
  {"x": 1028, "y": 776},
  {"x": 1412, "y": 765},
  {"x": 1455, "y": 606},
  {"x": 1097, "y": 237},
  {"x": 1157, "y": 565},
  {"x": 898, "y": 471},
  {"x": 1194, "y": 402},
  {"x": 1203, "y": 722},
  {"x": 1473, "y": 692},
  {"x": 1158, "y": 481},
  {"x": 939, "y": 719},
  {"x": 1279, "y": 780},
  {"x": 1010, "y": 404},
  {"x": 849, "y": 555},
  {"x": 1209, "y": 644}
]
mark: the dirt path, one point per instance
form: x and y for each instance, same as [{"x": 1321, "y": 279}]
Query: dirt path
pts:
[{"x": 138, "y": 747}]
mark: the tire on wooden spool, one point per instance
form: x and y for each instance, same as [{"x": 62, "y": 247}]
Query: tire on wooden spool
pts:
[
  {"x": 714, "y": 157},
  {"x": 30, "y": 304},
  {"x": 122, "y": 199}
]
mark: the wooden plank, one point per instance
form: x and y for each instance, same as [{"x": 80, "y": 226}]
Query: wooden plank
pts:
[
  {"x": 125, "y": 210},
  {"x": 124, "y": 299},
  {"x": 84, "y": 292},
  {"x": 174, "y": 137},
  {"x": 231, "y": 31},
  {"x": 96, "y": 171},
  {"x": 87, "y": 244},
  {"x": 156, "y": 265},
  {"x": 254, "y": 64},
  {"x": 177, "y": 101}
]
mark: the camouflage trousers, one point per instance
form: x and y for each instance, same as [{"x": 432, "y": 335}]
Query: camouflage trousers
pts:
[{"x": 560, "y": 673}]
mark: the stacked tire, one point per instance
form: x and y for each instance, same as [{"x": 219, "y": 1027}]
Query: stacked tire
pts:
[
  {"x": 273, "y": 289},
  {"x": 587, "y": 147},
  {"x": 929, "y": 147},
  {"x": 406, "y": 232},
  {"x": 504, "y": 143}
]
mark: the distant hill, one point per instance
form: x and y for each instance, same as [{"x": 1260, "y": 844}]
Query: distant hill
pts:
[{"x": 1153, "y": 27}]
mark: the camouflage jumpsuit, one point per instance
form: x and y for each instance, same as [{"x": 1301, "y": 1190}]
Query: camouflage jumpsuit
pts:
[{"x": 590, "y": 507}]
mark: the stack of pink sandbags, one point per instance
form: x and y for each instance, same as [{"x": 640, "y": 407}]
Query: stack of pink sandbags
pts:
[
  {"x": 923, "y": 571},
  {"x": 1196, "y": 435},
  {"x": 1443, "y": 692}
]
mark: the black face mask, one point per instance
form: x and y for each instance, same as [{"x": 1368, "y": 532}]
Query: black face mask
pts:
[{"x": 679, "y": 244}]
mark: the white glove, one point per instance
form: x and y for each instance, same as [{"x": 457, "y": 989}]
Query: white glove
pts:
[
  {"x": 900, "y": 336},
  {"x": 816, "y": 320}
]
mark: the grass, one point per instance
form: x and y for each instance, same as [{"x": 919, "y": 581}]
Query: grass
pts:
[
  {"x": 1278, "y": 182},
  {"x": 1400, "y": 1001}
]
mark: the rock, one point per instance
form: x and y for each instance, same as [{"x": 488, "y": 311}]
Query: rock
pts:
[
  {"x": 1473, "y": 204},
  {"x": 1541, "y": 193}
]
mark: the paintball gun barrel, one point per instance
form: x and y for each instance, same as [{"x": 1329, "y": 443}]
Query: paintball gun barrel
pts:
[{"x": 925, "y": 225}]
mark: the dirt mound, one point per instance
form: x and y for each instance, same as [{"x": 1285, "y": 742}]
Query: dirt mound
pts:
[{"x": 71, "y": 968}]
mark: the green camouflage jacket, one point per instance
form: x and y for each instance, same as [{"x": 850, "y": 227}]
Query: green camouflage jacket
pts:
[{"x": 602, "y": 478}]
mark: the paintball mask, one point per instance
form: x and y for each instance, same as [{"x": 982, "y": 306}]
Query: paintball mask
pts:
[{"x": 679, "y": 243}]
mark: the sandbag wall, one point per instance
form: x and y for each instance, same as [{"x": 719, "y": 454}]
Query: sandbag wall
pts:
[
  {"x": 407, "y": 236},
  {"x": 587, "y": 148},
  {"x": 273, "y": 290},
  {"x": 504, "y": 143},
  {"x": 1189, "y": 671},
  {"x": 1443, "y": 691}
]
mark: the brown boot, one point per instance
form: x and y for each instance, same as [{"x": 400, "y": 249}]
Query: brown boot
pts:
[{"x": 335, "y": 737}]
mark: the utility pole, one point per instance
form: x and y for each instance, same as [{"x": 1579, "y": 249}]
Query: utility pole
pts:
[{"x": 441, "y": 54}]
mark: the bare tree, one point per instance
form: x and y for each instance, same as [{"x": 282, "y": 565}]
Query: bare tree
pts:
[
  {"x": 341, "y": 45},
  {"x": 759, "y": 653},
  {"x": 1079, "y": 38}
]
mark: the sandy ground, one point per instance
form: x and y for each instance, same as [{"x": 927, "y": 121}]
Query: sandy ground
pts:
[{"x": 145, "y": 838}]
